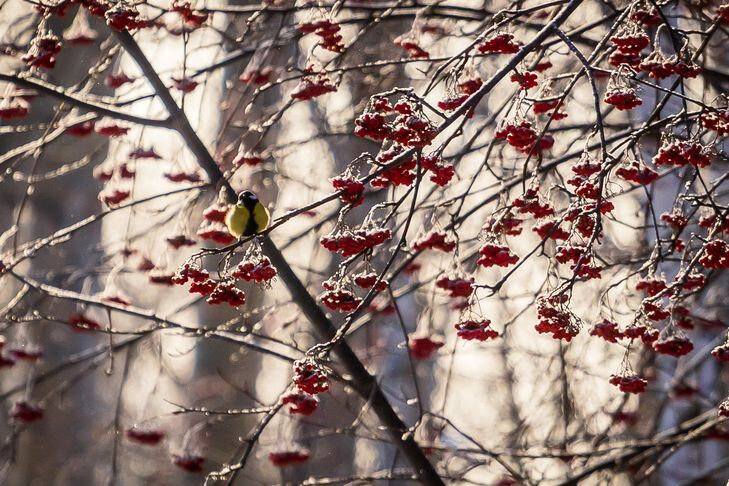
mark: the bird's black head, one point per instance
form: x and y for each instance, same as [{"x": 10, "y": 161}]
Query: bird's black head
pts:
[{"x": 247, "y": 198}]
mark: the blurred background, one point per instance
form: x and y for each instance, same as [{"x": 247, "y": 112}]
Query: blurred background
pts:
[{"x": 522, "y": 405}]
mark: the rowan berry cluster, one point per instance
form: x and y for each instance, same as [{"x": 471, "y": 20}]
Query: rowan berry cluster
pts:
[
  {"x": 327, "y": 30},
  {"x": 423, "y": 347},
  {"x": 300, "y": 403},
  {"x": 256, "y": 269},
  {"x": 479, "y": 330},
  {"x": 348, "y": 242},
  {"x": 310, "y": 377}
]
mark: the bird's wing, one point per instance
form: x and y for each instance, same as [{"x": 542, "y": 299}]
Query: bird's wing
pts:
[{"x": 261, "y": 216}]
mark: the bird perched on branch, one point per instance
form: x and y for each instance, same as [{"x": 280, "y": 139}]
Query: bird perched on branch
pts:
[{"x": 248, "y": 217}]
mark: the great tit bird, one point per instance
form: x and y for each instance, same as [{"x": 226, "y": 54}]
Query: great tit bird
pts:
[{"x": 248, "y": 217}]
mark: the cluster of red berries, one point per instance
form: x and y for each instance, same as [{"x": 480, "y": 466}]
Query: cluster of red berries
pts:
[
  {"x": 585, "y": 187},
  {"x": 441, "y": 172},
  {"x": 115, "y": 81},
  {"x": 411, "y": 46},
  {"x": 353, "y": 190},
  {"x": 257, "y": 76},
  {"x": 571, "y": 253},
  {"x": 110, "y": 128},
  {"x": 475, "y": 330},
  {"x": 215, "y": 212},
  {"x": 693, "y": 281},
  {"x": 327, "y": 30},
  {"x": 124, "y": 17},
  {"x": 288, "y": 458},
  {"x": 711, "y": 220},
  {"x": 352, "y": 242},
  {"x": 646, "y": 16},
  {"x": 658, "y": 67},
  {"x": 27, "y": 412},
  {"x": 82, "y": 129},
  {"x": 338, "y": 297},
  {"x": 716, "y": 255},
  {"x": 423, "y": 347},
  {"x": 226, "y": 292},
  {"x": 519, "y": 135},
  {"x": 367, "y": 280},
  {"x": 452, "y": 102},
  {"x": 526, "y": 80},
  {"x": 216, "y": 232},
  {"x": 247, "y": 157},
  {"x": 629, "y": 383},
  {"x": 409, "y": 129},
  {"x": 161, "y": 277},
  {"x": 183, "y": 176},
  {"x": 540, "y": 107},
  {"x": 178, "y": 241},
  {"x": 555, "y": 115},
  {"x": 43, "y": 50},
  {"x": 631, "y": 43},
  {"x": 503, "y": 43},
  {"x": 648, "y": 335},
  {"x": 586, "y": 270},
  {"x": 191, "y": 17},
  {"x": 81, "y": 323},
  {"x": 435, "y": 240},
  {"x": 586, "y": 167},
  {"x": 113, "y": 196},
  {"x": 257, "y": 269},
  {"x": 456, "y": 287},
  {"x": 717, "y": 121},
  {"x": 651, "y": 286},
  {"x": 184, "y": 84},
  {"x": 14, "y": 107},
  {"x": 681, "y": 152},
  {"x": 218, "y": 292},
  {"x": 654, "y": 311},
  {"x": 105, "y": 172},
  {"x": 372, "y": 125},
  {"x": 470, "y": 85},
  {"x": 607, "y": 330},
  {"x": 553, "y": 320},
  {"x": 623, "y": 98},
  {"x": 637, "y": 173},
  {"x": 189, "y": 462},
  {"x": 506, "y": 224},
  {"x": 300, "y": 403},
  {"x": 310, "y": 377},
  {"x": 529, "y": 203},
  {"x": 583, "y": 218},
  {"x": 313, "y": 86},
  {"x": 496, "y": 255},
  {"x": 551, "y": 230},
  {"x": 675, "y": 219},
  {"x": 402, "y": 174},
  {"x": 465, "y": 89},
  {"x": 673, "y": 345},
  {"x": 721, "y": 352},
  {"x": 145, "y": 436}
]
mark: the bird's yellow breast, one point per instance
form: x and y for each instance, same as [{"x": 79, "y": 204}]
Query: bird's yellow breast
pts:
[
  {"x": 237, "y": 219},
  {"x": 242, "y": 222}
]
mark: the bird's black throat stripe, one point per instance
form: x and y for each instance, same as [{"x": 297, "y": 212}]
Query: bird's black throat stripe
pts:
[{"x": 251, "y": 225}]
